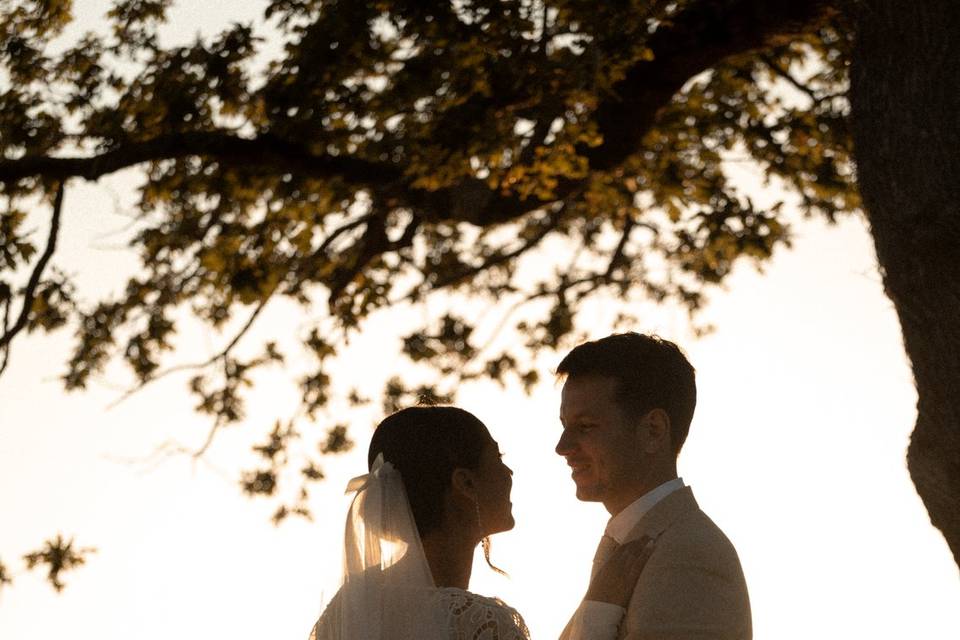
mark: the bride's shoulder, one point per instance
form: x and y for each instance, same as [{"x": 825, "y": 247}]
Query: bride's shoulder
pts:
[{"x": 473, "y": 611}]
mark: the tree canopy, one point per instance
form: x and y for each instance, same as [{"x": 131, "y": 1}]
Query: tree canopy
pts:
[{"x": 359, "y": 155}]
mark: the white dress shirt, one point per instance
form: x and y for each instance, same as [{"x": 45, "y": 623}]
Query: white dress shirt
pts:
[{"x": 600, "y": 620}]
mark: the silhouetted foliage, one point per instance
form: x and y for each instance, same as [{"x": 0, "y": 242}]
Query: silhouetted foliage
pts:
[
  {"x": 5, "y": 578},
  {"x": 57, "y": 555},
  {"x": 399, "y": 153}
]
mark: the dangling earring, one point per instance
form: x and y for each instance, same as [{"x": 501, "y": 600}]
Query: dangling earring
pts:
[
  {"x": 476, "y": 504},
  {"x": 485, "y": 543}
]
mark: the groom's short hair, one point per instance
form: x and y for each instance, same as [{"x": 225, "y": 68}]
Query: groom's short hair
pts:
[{"x": 651, "y": 373}]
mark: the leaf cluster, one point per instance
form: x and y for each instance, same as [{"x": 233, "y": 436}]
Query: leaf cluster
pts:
[{"x": 58, "y": 555}]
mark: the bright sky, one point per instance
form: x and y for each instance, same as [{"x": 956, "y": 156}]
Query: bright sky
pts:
[{"x": 796, "y": 451}]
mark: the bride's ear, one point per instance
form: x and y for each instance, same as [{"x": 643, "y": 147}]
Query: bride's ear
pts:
[{"x": 464, "y": 483}]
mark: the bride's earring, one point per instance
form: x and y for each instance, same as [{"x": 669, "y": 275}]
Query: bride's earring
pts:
[
  {"x": 476, "y": 503},
  {"x": 485, "y": 543}
]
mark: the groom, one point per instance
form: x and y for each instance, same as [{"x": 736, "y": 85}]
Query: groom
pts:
[{"x": 626, "y": 407}]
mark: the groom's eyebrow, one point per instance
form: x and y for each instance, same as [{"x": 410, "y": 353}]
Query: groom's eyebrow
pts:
[
  {"x": 575, "y": 418},
  {"x": 577, "y": 414}
]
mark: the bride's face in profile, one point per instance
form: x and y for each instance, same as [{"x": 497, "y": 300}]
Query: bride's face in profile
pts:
[{"x": 494, "y": 481}]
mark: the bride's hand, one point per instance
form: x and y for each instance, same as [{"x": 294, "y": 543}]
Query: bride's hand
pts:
[{"x": 615, "y": 581}]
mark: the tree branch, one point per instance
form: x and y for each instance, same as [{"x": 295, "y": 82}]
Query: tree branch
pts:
[
  {"x": 30, "y": 291},
  {"x": 265, "y": 150},
  {"x": 701, "y": 35}
]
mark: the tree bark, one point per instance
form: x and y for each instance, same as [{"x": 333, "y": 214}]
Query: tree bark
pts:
[{"x": 905, "y": 99}]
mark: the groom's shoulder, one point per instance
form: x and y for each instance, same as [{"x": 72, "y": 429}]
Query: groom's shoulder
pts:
[
  {"x": 694, "y": 533},
  {"x": 696, "y": 527},
  {"x": 692, "y": 580},
  {"x": 678, "y": 524}
]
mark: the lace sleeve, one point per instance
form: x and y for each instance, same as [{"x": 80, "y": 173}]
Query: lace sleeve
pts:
[{"x": 475, "y": 617}]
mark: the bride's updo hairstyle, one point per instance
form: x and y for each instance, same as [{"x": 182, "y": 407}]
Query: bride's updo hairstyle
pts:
[{"x": 426, "y": 444}]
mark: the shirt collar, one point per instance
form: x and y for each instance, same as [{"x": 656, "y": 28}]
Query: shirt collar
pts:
[{"x": 620, "y": 525}]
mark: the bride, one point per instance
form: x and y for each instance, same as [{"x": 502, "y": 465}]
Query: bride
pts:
[{"x": 437, "y": 487}]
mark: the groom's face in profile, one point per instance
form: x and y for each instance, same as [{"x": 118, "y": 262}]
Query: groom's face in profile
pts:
[{"x": 600, "y": 442}]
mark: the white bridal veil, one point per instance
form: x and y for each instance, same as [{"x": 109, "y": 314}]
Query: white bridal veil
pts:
[{"x": 387, "y": 591}]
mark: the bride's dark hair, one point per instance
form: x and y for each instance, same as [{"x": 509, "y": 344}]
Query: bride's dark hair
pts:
[{"x": 426, "y": 444}]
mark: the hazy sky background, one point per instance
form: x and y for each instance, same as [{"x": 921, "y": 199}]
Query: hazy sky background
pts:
[{"x": 796, "y": 451}]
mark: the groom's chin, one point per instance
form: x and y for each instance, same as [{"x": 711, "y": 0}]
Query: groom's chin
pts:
[{"x": 587, "y": 494}]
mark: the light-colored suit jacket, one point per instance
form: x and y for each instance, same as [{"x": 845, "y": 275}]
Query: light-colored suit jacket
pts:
[{"x": 692, "y": 587}]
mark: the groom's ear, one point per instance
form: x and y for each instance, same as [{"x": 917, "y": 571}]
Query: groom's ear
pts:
[
  {"x": 656, "y": 431},
  {"x": 464, "y": 483}
]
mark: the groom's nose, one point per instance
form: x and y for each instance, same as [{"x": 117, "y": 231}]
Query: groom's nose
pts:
[{"x": 565, "y": 444}]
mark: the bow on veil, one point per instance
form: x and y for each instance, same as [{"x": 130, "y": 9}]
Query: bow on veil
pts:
[
  {"x": 387, "y": 589},
  {"x": 376, "y": 471}
]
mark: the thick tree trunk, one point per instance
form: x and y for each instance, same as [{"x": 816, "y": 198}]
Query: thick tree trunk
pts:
[{"x": 905, "y": 93}]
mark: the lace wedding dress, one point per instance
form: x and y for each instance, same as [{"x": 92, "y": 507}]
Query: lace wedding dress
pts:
[{"x": 467, "y": 616}]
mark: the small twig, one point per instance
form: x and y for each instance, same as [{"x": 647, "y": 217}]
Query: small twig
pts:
[
  {"x": 406, "y": 238},
  {"x": 339, "y": 231},
  {"x": 786, "y": 75},
  {"x": 617, "y": 256},
  {"x": 503, "y": 323},
  {"x": 222, "y": 354},
  {"x": 543, "y": 32},
  {"x": 656, "y": 8},
  {"x": 537, "y": 137},
  {"x": 198, "y": 453},
  {"x": 463, "y": 274},
  {"x": 30, "y": 291},
  {"x": 595, "y": 280},
  {"x": 371, "y": 244},
  {"x": 217, "y": 423},
  {"x": 6, "y": 322},
  {"x": 163, "y": 451}
]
